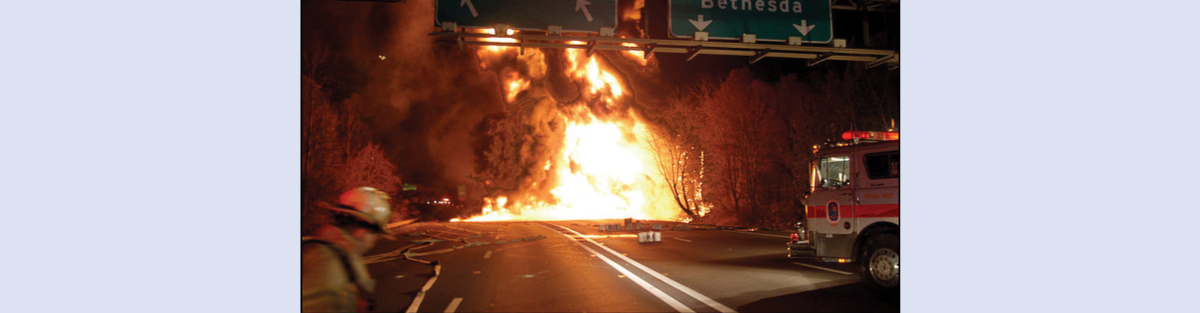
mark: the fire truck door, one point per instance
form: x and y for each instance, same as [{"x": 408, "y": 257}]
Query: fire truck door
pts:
[{"x": 833, "y": 200}]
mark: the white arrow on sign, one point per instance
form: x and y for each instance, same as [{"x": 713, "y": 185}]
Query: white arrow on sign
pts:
[
  {"x": 701, "y": 24},
  {"x": 804, "y": 28},
  {"x": 470, "y": 6},
  {"x": 583, "y": 4}
]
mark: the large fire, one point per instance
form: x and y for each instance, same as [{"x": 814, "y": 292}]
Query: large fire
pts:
[{"x": 604, "y": 169}]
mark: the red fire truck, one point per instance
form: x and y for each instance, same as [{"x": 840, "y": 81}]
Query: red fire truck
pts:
[{"x": 852, "y": 210}]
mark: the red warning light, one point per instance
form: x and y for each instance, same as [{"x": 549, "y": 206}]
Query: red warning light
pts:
[{"x": 868, "y": 135}]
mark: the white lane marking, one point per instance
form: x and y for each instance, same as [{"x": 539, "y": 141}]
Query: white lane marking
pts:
[
  {"x": 681, "y": 239},
  {"x": 706, "y": 300},
  {"x": 453, "y": 305},
  {"x": 760, "y": 234},
  {"x": 655, "y": 291},
  {"x": 822, "y": 268},
  {"x": 412, "y": 308},
  {"x": 488, "y": 254}
]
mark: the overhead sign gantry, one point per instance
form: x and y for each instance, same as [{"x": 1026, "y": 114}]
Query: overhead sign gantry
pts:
[
  {"x": 805, "y": 26},
  {"x": 590, "y": 16},
  {"x": 766, "y": 20}
]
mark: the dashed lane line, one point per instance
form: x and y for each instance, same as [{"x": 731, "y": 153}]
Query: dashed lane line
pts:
[
  {"x": 488, "y": 254},
  {"x": 453, "y": 305},
  {"x": 681, "y": 239},
  {"x": 412, "y": 308}
]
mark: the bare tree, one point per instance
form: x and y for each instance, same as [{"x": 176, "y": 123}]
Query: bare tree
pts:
[
  {"x": 677, "y": 151},
  {"x": 319, "y": 146},
  {"x": 369, "y": 166},
  {"x": 758, "y": 138},
  {"x": 334, "y": 154},
  {"x": 741, "y": 133}
]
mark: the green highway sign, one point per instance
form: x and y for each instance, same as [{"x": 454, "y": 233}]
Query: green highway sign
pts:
[
  {"x": 768, "y": 20},
  {"x": 572, "y": 15}
]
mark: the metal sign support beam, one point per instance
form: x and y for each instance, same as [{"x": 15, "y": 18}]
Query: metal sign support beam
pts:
[
  {"x": 693, "y": 52},
  {"x": 881, "y": 60},
  {"x": 819, "y": 59},
  {"x": 591, "y": 48},
  {"x": 647, "y": 50},
  {"x": 759, "y": 55},
  {"x": 755, "y": 51}
]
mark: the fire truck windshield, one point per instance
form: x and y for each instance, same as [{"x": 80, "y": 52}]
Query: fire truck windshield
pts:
[{"x": 832, "y": 171}]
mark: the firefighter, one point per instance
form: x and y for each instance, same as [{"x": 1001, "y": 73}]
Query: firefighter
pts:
[{"x": 333, "y": 276}]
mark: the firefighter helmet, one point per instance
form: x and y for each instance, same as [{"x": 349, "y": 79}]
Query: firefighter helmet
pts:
[{"x": 365, "y": 204}]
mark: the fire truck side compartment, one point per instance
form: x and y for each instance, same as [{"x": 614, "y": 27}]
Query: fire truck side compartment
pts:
[{"x": 834, "y": 246}]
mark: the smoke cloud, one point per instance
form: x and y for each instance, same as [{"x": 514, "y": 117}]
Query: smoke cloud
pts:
[
  {"x": 420, "y": 100},
  {"x": 445, "y": 115}
]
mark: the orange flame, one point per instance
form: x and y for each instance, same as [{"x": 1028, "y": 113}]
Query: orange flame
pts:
[
  {"x": 634, "y": 12},
  {"x": 598, "y": 79},
  {"x": 515, "y": 86},
  {"x": 638, "y": 56},
  {"x": 603, "y": 171}
]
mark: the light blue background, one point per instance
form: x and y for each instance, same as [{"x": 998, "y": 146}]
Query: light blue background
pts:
[
  {"x": 150, "y": 156},
  {"x": 1050, "y": 163}
]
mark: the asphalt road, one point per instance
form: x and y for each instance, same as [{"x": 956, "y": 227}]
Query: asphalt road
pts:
[{"x": 571, "y": 266}]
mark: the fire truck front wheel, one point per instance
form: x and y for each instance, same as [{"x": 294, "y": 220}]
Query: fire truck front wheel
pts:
[{"x": 881, "y": 265}]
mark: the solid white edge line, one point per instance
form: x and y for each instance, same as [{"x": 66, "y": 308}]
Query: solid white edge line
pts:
[
  {"x": 822, "y": 268},
  {"x": 655, "y": 291},
  {"x": 453, "y": 305},
  {"x": 706, "y": 300},
  {"x": 753, "y": 233}
]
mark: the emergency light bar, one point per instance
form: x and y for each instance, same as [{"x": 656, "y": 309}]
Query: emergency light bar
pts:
[{"x": 868, "y": 135}]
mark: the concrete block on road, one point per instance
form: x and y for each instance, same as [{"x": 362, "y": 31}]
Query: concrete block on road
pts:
[{"x": 649, "y": 236}]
